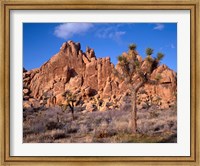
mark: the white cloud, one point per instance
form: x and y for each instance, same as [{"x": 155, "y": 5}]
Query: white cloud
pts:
[
  {"x": 68, "y": 30},
  {"x": 110, "y": 32},
  {"x": 118, "y": 34},
  {"x": 104, "y": 32},
  {"x": 172, "y": 46},
  {"x": 159, "y": 27}
]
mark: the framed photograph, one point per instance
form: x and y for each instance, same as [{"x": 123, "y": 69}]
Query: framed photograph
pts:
[{"x": 104, "y": 82}]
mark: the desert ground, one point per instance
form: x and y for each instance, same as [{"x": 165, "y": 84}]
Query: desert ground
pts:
[{"x": 53, "y": 125}]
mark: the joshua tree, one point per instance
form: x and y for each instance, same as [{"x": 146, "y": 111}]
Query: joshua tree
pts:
[
  {"x": 149, "y": 51},
  {"x": 160, "y": 55},
  {"x": 136, "y": 74},
  {"x": 70, "y": 100},
  {"x": 132, "y": 46}
]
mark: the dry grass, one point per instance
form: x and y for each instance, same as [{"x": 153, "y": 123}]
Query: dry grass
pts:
[{"x": 54, "y": 125}]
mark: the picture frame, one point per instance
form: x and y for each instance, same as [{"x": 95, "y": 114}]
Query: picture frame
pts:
[{"x": 8, "y": 5}]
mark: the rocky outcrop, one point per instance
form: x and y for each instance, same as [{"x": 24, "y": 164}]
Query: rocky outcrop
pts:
[
  {"x": 162, "y": 94},
  {"x": 87, "y": 76}
]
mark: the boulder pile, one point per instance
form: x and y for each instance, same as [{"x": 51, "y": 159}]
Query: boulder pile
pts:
[{"x": 92, "y": 81}]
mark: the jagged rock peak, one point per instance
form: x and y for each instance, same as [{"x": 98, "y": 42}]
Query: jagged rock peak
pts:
[{"x": 75, "y": 49}]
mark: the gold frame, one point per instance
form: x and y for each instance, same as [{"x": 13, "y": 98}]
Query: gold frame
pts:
[{"x": 7, "y": 5}]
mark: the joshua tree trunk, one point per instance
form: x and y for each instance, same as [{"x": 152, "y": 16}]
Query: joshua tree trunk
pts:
[
  {"x": 72, "y": 110},
  {"x": 134, "y": 106}
]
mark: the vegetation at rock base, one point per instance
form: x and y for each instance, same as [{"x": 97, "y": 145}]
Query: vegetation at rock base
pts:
[{"x": 113, "y": 126}]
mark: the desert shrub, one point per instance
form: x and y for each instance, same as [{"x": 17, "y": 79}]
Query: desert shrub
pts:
[
  {"x": 174, "y": 127},
  {"x": 27, "y": 132},
  {"x": 31, "y": 138},
  {"x": 50, "y": 125},
  {"x": 153, "y": 114},
  {"x": 83, "y": 129},
  {"x": 126, "y": 107},
  {"x": 143, "y": 114},
  {"x": 122, "y": 126},
  {"x": 57, "y": 134},
  {"x": 38, "y": 128},
  {"x": 78, "y": 109},
  {"x": 105, "y": 134},
  {"x": 71, "y": 128},
  {"x": 159, "y": 127}
]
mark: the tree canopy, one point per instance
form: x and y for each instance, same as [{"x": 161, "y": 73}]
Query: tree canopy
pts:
[{"x": 149, "y": 51}]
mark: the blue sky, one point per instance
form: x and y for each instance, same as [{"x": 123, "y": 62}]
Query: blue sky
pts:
[{"x": 42, "y": 40}]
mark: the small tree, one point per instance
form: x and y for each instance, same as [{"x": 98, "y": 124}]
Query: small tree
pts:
[
  {"x": 70, "y": 99},
  {"x": 136, "y": 74}
]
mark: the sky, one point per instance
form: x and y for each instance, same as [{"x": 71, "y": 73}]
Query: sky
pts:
[{"x": 43, "y": 40}]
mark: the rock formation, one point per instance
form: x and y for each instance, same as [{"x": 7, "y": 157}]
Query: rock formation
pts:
[{"x": 92, "y": 80}]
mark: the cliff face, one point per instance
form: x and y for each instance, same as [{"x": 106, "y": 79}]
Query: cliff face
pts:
[{"x": 84, "y": 74}]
